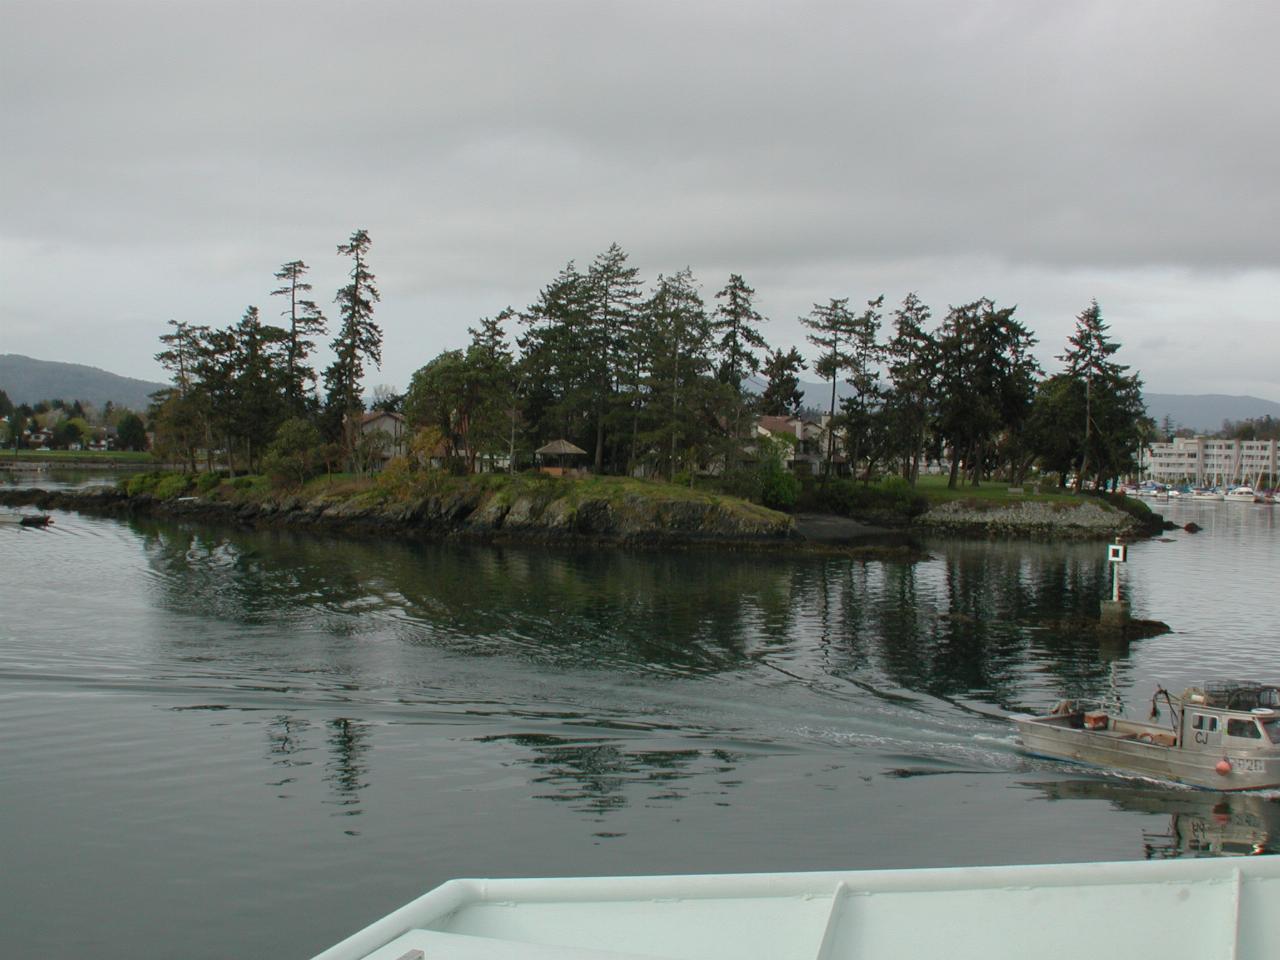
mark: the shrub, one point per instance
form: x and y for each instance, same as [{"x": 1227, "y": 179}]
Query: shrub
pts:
[
  {"x": 397, "y": 478},
  {"x": 171, "y": 486},
  {"x": 143, "y": 483},
  {"x": 208, "y": 481},
  {"x": 779, "y": 488},
  {"x": 295, "y": 455},
  {"x": 849, "y": 498}
]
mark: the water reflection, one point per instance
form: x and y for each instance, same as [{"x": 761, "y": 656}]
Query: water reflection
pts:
[
  {"x": 1200, "y": 823},
  {"x": 599, "y": 775},
  {"x": 969, "y": 621},
  {"x": 286, "y": 743},
  {"x": 889, "y": 660},
  {"x": 347, "y": 766}
]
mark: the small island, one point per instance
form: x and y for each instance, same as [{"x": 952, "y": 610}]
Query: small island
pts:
[
  {"x": 538, "y": 508},
  {"x": 603, "y": 414}
]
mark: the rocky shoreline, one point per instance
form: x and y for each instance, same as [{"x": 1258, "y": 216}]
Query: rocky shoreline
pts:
[
  {"x": 1082, "y": 519},
  {"x": 473, "y": 514},
  {"x": 476, "y": 513}
]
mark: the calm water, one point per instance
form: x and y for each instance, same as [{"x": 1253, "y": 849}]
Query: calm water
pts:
[{"x": 222, "y": 743}]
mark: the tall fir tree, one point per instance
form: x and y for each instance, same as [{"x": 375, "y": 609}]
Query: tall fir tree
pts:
[
  {"x": 556, "y": 374},
  {"x": 912, "y": 355},
  {"x": 861, "y": 409},
  {"x": 680, "y": 389},
  {"x": 614, "y": 296},
  {"x": 1113, "y": 405},
  {"x": 305, "y": 321},
  {"x": 359, "y": 340},
  {"x": 782, "y": 396},
  {"x": 736, "y": 324},
  {"x": 986, "y": 382},
  {"x": 832, "y": 326}
]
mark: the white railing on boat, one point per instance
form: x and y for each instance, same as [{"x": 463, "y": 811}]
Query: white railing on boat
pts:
[{"x": 1173, "y": 908}]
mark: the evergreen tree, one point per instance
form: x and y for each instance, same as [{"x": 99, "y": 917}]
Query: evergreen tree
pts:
[
  {"x": 782, "y": 395},
  {"x": 359, "y": 340},
  {"x": 262, "y": 383},
  {"x": 736, "y": 325},
  {"x": 556, "y": 375},
  {"x": 681, "y": 394},
  {"x": 614, "y": 295},
  {"x": 181, "y": 415},
  {"x": 131, "y": 433},
  {"x": 305, "y": 321},
  {"x": 182, "y": 349},
  {"x": 986, "y": 382},
  {"x": 1113, "y": 403},
  {"x": 490, "y": 369},
  {"x": 832, "y": 327},
  {"x": 912, "y": 355},
  {"x": 860, "y": 410}
]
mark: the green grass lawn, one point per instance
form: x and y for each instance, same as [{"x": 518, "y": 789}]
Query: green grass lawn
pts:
[
  {"x": 77, "y": 456},
  {"x": 935, "y": 488}
]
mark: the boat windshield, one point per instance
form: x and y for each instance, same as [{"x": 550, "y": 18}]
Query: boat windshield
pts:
[{"x": 1272, "y": 729}]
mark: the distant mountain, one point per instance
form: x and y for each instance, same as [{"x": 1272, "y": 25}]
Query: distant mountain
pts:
[
  {"x": 1204, "y": 413},
  {"x": 27, "y": 380}
]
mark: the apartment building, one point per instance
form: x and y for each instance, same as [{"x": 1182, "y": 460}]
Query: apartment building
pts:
[{"x": 1210, "y": 461}]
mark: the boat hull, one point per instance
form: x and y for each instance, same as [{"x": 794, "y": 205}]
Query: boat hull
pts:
[{"x": 1048, "y": 737}]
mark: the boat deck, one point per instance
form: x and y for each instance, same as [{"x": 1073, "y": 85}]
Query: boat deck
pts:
[{"x": 1208, "y": 908}]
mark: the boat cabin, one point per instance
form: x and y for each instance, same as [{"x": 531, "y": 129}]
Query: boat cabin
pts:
[{"x": 1211, "y": 714}]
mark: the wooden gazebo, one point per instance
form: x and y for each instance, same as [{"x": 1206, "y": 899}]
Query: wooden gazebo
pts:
[{"x": 561, "y": 452}]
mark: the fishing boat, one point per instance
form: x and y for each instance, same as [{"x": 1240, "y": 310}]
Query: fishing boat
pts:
[
  {"x": 1210, "y": 907},
  {"x": 1224, "y": 735}
]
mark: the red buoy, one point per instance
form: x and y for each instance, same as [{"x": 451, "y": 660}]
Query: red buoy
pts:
[{"x": 1223, "y": 766}]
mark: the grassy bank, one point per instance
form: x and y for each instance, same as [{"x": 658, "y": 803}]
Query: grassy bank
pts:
[
  {"x": 589, "y": 506},
  {"x": 935, "y": 490},
  {"x": 77, "y": 457}
]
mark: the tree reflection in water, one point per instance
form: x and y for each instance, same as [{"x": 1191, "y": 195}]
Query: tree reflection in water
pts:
[
  {"x": 973, "y": 621},
  {"x": 595, "y": 775},
  {"x": 347, "y": 766}
]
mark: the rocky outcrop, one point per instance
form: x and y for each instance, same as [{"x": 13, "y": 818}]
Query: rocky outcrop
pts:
[
  {"x": 570, "y": 515},
  {"x": 466, "y": 513},
  {"x": 1084, "y": 519}
]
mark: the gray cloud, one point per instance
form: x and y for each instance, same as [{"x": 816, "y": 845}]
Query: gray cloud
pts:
[{"x": 162, "y": 158}]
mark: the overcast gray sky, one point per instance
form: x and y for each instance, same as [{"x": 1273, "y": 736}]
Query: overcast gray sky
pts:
[{"x": 161, "y": 159}]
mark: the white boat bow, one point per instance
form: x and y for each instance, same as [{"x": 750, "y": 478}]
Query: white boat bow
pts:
[{"x": 1167, "y": 908}]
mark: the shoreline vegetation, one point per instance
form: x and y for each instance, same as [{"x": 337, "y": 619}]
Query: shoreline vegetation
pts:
[{"x": 534, "y": 508}]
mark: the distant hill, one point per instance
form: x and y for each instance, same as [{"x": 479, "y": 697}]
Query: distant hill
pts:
[
  {"x": 1203, "y": 413},
  {"x": 27, "y": 380}
]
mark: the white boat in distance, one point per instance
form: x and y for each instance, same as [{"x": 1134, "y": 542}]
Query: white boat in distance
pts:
[
  {"x": 1163, "y": 908},
  {"x": 1207, "y": 494},
  {"x": 1224, "y": 735},
  {"x": 1242, "y": 495}
]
